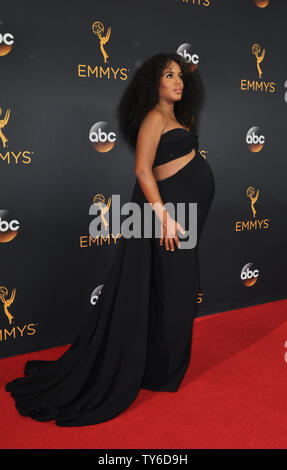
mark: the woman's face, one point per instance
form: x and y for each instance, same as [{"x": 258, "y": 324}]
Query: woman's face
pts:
[{"x": 171, "y": 82}]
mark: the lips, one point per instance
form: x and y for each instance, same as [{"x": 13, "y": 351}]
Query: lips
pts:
[{"x": 178, "y": 90}]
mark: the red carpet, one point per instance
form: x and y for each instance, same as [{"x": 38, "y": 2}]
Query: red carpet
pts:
[{"x": 233, "y": 394}]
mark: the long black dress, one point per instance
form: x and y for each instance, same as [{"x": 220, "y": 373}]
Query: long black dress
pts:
[{"x": 139, "y": 333}]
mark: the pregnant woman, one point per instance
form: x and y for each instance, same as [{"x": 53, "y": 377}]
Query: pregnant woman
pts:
[{"x": 139, "y": 333}]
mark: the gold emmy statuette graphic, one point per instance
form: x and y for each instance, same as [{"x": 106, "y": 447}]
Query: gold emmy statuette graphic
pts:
[
  {"x": 3, "y": 123},
  {"x": 99, "y": 200},
  {"x": 259, "y": 58},
  {"x": 201, "y": 153},
  {"x": 250, "y": 193},
  {"x": 98, "y": 29},
  {"x": 7, "y": 302}
]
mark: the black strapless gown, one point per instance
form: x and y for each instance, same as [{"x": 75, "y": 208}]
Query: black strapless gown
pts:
[{"x": 139, "y": 333}]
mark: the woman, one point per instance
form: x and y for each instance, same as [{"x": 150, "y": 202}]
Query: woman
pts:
[{"x": 138, "y": 335}]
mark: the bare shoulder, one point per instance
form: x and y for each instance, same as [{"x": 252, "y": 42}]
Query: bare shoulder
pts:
[
  {"x": 148, "y": 138},
  {"x": 153, "y": 121}
]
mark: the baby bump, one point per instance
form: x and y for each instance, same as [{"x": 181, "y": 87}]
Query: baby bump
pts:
[{"x": 194, "y": 182}]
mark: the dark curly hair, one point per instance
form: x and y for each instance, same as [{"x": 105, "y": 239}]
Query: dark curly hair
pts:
[{"x": 141, "y": 95}]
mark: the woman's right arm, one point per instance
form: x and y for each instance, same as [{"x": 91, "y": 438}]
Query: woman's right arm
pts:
[{"x": 147, "y": 142}]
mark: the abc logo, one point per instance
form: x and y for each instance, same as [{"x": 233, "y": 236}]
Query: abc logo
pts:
[
  {"x": 249, "y": 274},
  {"x": 7, "y": 39},
  {"x": 96, "y": 294},
  {"x": 194, "y": 58},
  {"x": 255, "y": 139},
  {"x": 102, "y": 136},
  {"x": 5, "y": 226}
]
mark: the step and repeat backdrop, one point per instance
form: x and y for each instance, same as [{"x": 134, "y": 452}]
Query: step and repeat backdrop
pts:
[{"x": 64, "y": 67}]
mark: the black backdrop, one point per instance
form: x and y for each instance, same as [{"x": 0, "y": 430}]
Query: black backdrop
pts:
[{"x": 50, "y": 172}]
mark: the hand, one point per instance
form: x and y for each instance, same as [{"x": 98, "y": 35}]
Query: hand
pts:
[{"x": 169, "y": 229}]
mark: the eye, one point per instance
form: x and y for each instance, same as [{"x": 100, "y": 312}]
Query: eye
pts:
[{"x": 170, "y": 73}]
